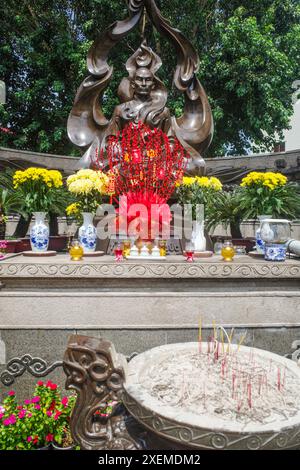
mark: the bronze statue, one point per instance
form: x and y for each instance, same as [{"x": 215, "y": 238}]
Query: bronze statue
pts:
[
  {"x": 96, "y": 372},
  {"x": 143, "y": 96}
]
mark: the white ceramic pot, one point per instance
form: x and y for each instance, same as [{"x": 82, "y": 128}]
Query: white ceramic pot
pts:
[
  {"x": 39, "y": 233},
  {"x": 87, "y": 233},
  {"x": 198, "y": 238}
]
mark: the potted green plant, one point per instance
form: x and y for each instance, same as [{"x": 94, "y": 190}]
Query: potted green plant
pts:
[
  {"x": 265, "y": 195},
  {"x": 198, "y": 191},
  {"x": 9, "y": 202},
  {"x": 88, "y": 188},
  {"x": 38, "y": 187},
  {"x": 269, "y": 193}
]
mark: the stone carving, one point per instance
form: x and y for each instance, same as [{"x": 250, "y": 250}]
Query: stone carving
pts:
[
  {"x": 143, "y": 96},
  {"x": 196, "y": 438},
  {"x": 96, "y": 373},
  {"x": 295, "y": 355},
  {"x": 147, "y": 269},
  {"x": 34, "y": 365}
]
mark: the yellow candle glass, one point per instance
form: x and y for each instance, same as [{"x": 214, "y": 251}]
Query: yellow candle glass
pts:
[
  {"x": 126, "y": 248},
  {"x": 227, "y": 251},
  {"x": 162, "y": 247},
  {"x": 76, "y": 251}
]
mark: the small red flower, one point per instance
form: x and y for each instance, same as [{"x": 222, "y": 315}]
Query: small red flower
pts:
[
  {"x": 36, "y": 439},
  {"x": 53, "y": 386},
  {"x": 11, "y": 393},
  {"x": 49, "y": 437},
  {"x": 52, "y": 406},
  {"x": 40, "y": 383},
  {"x": 57, "y": 414}
]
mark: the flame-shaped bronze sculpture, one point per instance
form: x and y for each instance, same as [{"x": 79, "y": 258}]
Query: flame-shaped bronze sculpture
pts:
[{"x": 143, "y": 96}]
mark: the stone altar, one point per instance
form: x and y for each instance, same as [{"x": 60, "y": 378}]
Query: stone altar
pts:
[{"x": 140, "y": 305}]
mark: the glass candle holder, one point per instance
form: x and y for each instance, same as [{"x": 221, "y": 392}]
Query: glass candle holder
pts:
[
  {"x": 218, "y": 246},
  {"x": 118, "y": 253},
  {"x": 76, "y": 251},
  {"x": 240, "y": 250},
  {"x": 227, "y": 251},
  {"x": 189, "y": 252},
  {"x": 162, "y": 245},
  {"x": 126, "y": 248}
]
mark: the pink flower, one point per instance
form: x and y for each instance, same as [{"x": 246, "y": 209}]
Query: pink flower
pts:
[
  {"x": 37, "y": 407},
  {"x": 11, "y": 393},
  {"x": 29, "y": 415},
  {"x": 49, "y": 437},
  {"x": 13, "y": 419},
  {"x": 1, "y": 415},
  {"x": 10, "y": 420},
  {"x": 35, "y": 399},
  {"x": 49, "y": 413},
  {"x": 22, "y": 414},
  {"x": 29, "y": 438},
  {"x": 40, "y": 383},
  {"x": 65, "y": 401},
  {"x": 27, "y": 402}
]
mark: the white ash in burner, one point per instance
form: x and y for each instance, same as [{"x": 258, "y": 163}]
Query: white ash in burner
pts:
[{"x": 226, "y": 383}]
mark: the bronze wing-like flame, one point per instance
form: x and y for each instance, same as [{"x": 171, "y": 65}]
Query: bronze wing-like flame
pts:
[
  {"x": 86, "y": 120},
  {"x": 194, "y": 129}
]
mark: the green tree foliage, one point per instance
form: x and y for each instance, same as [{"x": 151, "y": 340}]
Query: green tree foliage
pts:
[{"x": 249, "y": 56}]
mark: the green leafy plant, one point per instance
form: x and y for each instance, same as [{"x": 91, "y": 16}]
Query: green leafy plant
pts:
[
  {"x": 10, "y": 201},
  {"x": 249, "y": 57},
  {"x": 226, "y": 210},
  {"x": 197, "y": 190}
]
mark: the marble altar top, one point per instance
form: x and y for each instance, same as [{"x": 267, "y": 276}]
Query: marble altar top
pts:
[{"x": 60, "y": 266}]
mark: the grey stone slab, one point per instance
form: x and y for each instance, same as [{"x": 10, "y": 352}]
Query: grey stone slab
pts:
[{"x": 129, "y": 341}]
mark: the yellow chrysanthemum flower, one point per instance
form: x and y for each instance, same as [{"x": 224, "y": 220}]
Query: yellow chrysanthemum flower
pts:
[
  {"x": 268, "y": 179},
  {"x": 52, "y": 178},
  {"x": 87, "y": 181},
  {"x": 73, "y": 209}
]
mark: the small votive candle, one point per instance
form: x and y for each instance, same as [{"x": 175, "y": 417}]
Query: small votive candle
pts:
[
  {"x": 118, "y": 254},
  {"x": 162, "y": 244},
  {"x": 227, "y": 251},
  {"x": 126, "y": 248},
  {"x": 76, "y": 251}
]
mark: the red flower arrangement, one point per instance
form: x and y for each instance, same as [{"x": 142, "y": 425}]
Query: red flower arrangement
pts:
[{"x": 146, "y": 165}]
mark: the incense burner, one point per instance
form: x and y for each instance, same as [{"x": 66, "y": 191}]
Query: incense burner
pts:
[{"x": 214, "y": 396}]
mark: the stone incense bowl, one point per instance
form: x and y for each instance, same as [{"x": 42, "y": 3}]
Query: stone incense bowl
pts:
[{"x": 211, "y": 396}]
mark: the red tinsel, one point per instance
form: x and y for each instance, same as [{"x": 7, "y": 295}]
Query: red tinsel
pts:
[{"x": 146, "y": 165}]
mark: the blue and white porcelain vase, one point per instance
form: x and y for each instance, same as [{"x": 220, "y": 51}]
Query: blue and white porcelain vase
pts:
[
  {"x": 87, "y": 233},
  {"x": 39, "y": 233},
  {"x": 260, "y": 244},
  {"x": 275, "y": 252}
]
